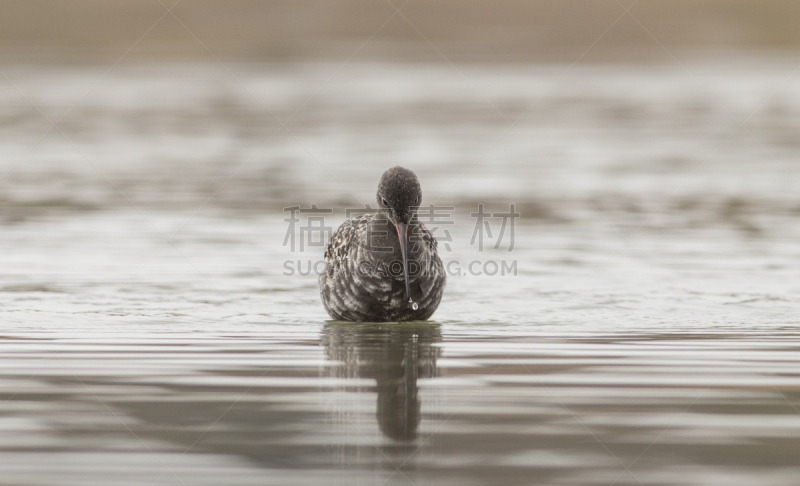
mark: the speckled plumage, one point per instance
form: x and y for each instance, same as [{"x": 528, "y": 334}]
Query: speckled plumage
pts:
[{"x": 363, "y": 278}]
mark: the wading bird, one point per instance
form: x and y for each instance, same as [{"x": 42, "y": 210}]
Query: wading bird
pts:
[{"x": 384, "y": 266}]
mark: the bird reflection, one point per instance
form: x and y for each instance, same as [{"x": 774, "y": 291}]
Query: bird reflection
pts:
[{"x": 396, "y": 356}]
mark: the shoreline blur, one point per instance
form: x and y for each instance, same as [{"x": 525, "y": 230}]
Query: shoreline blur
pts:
[{"x": 86, "y": 31}]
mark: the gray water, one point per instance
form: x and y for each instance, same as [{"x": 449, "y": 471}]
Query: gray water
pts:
[{"x": 649, "y": 335}]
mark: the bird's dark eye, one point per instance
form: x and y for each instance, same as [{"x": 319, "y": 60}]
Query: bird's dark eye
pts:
[{"x": 383, "y": 201}]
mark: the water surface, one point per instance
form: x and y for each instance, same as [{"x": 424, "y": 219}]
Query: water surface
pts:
[{"x": 650, "y": 335}]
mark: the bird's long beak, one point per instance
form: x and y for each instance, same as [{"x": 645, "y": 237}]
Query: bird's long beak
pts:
[{"x": 402, "y": 235}]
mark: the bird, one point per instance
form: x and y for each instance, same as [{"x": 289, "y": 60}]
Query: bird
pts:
[{"x": 384, "y": 266}]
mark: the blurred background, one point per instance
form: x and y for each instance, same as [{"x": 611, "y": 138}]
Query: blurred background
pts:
[
  {"x": 559, "y": 105},
  {"x": 149, "y": 332},
  {"x": 465, "y": 31}
]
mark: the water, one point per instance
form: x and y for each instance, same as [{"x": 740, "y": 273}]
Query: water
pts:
[{"x": 650, "y": 335}]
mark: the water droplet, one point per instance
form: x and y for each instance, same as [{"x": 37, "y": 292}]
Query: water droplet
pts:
[{"x": 414, "y": 305}]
